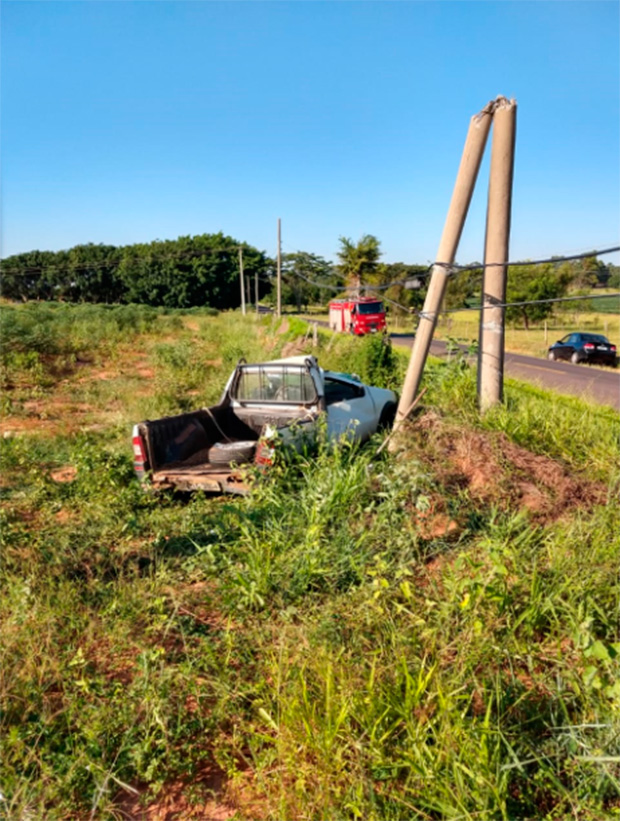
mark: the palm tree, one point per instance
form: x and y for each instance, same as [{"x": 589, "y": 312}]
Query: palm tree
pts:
[{"x": 358, "y": 260}]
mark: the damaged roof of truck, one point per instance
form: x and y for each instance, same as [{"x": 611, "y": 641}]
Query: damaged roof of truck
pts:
[
  {"x": 302, "y": 361},
  {"x": 290, "y": 360}
]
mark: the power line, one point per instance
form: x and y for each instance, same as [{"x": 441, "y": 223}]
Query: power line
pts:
[
  {"x": 455, "y": 268},
  {"x": 314, "y": 282},
  {"x": 525, "y": 302},
  {"x": 475, "y": 266}
]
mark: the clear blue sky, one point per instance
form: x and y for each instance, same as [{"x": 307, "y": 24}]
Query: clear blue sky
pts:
[{"x": 132, "y": 121}]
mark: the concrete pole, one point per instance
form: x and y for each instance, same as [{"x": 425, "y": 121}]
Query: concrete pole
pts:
[
  {"x": 459, "y": 205},
  {"x": 279, "y": 279},
  {"x": 256, "y": 288},
  {"x": 491, "y": 348},
  {"x": 241, "y": 281}
]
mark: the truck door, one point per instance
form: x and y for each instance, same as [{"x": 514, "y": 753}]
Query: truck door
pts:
[
  {"x": 350, "y": 409},
  {"x": 347, "y": 318}
]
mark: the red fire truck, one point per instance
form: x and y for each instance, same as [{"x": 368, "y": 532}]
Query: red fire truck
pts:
[{"x": 364, "y": 315}]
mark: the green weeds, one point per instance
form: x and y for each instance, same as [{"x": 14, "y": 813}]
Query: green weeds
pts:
[{"x": 328, "y": 645}]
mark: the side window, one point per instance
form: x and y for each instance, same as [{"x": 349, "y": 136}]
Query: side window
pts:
[
  {"x": 336, "y": 391},
  {"x": 573, "y": 339}
]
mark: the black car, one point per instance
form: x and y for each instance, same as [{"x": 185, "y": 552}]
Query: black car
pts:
[{"x": 591, "y": 348}]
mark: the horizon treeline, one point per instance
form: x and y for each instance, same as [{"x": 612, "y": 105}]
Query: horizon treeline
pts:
[
  {"x": 203, "y": 270},
  {"x": 182, "y": 273}
]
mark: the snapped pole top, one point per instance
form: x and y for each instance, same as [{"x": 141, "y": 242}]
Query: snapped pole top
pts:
[{"x": 493, "y": 105}]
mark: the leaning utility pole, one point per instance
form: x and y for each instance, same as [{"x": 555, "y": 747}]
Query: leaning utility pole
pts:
[
  {"x": 241, "y": 281},
  {"x": 459, "y": 205},
  {"x": 491, "y": 350},
  {"x": 279, "y": 280}
]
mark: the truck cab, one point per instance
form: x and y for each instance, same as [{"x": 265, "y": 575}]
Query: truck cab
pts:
[{"x": 364, "y": 315}]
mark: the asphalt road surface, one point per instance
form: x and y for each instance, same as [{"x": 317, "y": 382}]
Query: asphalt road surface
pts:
[{"x": 598, "y": 384}]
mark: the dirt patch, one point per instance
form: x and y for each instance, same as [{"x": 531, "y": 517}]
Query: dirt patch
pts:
[
  {"x": 496, "y": 471},
  {"x": 65, "y": 516},
  {"x": 294, "y": 348},
  {"x": 54, "y": 406},
  {"x": 16, "y": 427},
  {"x": 218, "y": 800},
  {"x": 145, "y": 373},
  {"x": 434, "y": 525},
  {"x": 64, "y": 474},
  {"x": 50, "y": 415},
  {"x": 282, "y": 327}
]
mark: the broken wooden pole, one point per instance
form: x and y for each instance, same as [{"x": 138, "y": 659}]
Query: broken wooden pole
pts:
[
  {"x": 455, "y": 220},
  {"x": 492, "y": 314}
]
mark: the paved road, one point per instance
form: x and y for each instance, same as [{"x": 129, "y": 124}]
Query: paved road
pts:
[{"x": 598, "y": 384}]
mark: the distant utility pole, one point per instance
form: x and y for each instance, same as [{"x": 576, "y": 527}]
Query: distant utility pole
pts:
[
  {"x": 279, "y": 279},
  {"x": 241, "y": 280},
  {"x": 455, "y": 220},
  {"x": 491, "y": 348},
  {"x": 256, "y": 288},
  {"x": 248, "y": 291}
]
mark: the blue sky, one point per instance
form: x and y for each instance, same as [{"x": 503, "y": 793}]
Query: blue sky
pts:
[{"x": 132, "y": 121}]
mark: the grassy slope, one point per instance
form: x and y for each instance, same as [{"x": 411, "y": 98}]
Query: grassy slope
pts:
[{"x": 433, "y": 635}]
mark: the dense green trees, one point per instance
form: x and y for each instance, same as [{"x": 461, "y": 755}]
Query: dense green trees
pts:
[
  {"x": 204, "y": 270},
  {"x": 182, "y": 273},
  {"x": 300, "y": 271},
  {"x": 535, "y": 282}
]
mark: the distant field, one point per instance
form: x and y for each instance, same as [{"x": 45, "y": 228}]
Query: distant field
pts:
[
  {"x": 535, "y": 340},
  {"x": 463, "y": 326},
  {"x": 432, "y": 634}
]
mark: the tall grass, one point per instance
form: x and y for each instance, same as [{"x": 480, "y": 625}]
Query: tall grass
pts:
[{"x": 314, "y": 644}]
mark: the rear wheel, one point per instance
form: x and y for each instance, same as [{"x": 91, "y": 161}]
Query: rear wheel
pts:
[
  {"x": 388, "y": 414},
  {"x": 575, "y": 358}
]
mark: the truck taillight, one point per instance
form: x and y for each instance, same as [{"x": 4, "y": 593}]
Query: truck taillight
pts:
[
  {"x": 139, "y": 454},
  {"x": 264, "y": 455}
]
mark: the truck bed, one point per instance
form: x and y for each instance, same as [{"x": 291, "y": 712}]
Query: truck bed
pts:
[{"x": 178, "y": 446}]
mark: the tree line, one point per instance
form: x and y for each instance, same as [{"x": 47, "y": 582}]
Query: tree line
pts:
[
  {"x": 204, "y": 271},
  {"x": 181, "y": 273}
]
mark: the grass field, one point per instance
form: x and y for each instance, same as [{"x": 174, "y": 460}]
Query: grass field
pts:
[
  {"x": 428, "y": 635},
  {"x": 535, "y": 340}
]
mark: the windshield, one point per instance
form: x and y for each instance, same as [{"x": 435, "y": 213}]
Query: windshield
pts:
[
  {"x": 274, "y": 383},
  {"x": 593, "y": 338},
  {"x": 370, "y": 308}
]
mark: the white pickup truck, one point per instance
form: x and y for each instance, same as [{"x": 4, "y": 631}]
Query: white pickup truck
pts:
[{"x": 207, "y": 448}]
